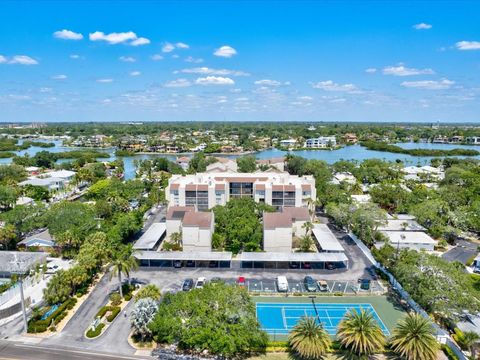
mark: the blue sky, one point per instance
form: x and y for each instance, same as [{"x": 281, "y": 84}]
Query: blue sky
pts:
[{"x": 240, "y": 61}]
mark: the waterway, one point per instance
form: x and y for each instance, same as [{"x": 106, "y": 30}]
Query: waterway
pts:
[{"x": 353, "y": 153}]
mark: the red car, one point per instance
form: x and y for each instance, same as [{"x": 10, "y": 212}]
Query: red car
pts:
[{"x": 241, "y": 281}]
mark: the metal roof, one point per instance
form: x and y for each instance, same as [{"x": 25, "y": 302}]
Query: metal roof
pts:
[
  {"x": 398, "y": 225},
  {"x": 292, "y": 257},
  {"x": 150, "y": 237},
  {"x": 184, "y": 255},
  {"x": 409, "y": 237},
  {"x": 20, "y": 262},
  {"x": 326, "y": 239}
]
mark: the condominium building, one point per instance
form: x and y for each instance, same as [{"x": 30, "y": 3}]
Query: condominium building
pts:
[
  {"x": 206, "y": 190},
  {"x": 321, "y": 142}
]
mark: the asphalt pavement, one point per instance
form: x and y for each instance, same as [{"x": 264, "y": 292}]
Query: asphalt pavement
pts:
[{"x": 461, "y": 252}]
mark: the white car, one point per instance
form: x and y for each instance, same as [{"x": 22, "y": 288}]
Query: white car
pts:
[
  {"x": 282, "y": 284},
  {"x": 200, "y": 283}
]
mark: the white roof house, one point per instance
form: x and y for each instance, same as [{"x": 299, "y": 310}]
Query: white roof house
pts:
[
  {"x": 62, "y": 174},
  {"x": 326, "y": 239},
  {"x": 24, "y": 200},
  {"x": 41, "y": 239},
  {"x": 361, "y": 199},
  {"x": 343, "y": 177},
  {"x": 401, "y": 225},
  {"x": 415, "y": 240}
]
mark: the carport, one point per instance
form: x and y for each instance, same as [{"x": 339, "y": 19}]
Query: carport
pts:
[
  {"x": 151, "y": 238},
  {"x": 284, "y": 260},
  {"x": 212, "y": 259}
]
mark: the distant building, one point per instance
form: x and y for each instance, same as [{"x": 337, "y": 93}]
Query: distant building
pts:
[
  {"x": 414, "y": 240},
  {"x": 183, "y": 161},
  {"x": 277, "y": 163},
  {"x": 288, "y": 143},
  {"x": 350, "y": 138},
  {"x": 223, "y": 164},
  {"x": 321, "y": 142},
  {"x": 473, "y": 140},
  {"x": 340, "y": 177},
  {"x": 197, "y": 231},
  {"x": 206, "y": 190},
  {"x": 42, "y": 240}
]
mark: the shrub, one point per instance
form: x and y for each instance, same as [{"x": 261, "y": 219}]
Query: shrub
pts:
[
  {"x": 103, "y": 310},
  {"x": 115, "y": 299},
  {"x": 449, "y": 353},
  {"x": 95, "y": 332},
  {"x": 35, "y": 325},
  {"x": 114, "y": 312},
  {"x": 128, "y": 297}
]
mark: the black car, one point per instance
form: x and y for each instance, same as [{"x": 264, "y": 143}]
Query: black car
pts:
[
  {"x": 309, "y": 284},
  {"x": 187, "y": 285},
  {"x": 364, "y": 284},
  {"x": 329, "y": 266},
  {"x": 190, "y": 263},
  {"x": 177, "y": 264},
  {"x": 294, "y": 265}
]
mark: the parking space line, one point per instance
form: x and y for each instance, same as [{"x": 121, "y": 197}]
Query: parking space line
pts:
[{"x": 333, "y": 286}]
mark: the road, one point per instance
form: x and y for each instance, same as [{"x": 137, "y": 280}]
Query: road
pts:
[{"x": 15, "y": 351}]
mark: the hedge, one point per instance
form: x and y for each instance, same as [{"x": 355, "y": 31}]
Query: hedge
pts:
[
  {"x": 115, "y": 310},
  {"x": 449, "y": 353},
  {"x": 37, "y": 325},
  {"x": 96, "y": 332},
  {"x": 103, "y": 310}
]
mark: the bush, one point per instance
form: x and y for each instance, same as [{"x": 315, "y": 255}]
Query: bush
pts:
[
  {"x": 115, "y": 299},
  {"x": 115, "y": 310},
  {"x": 128, "y": 297},
  {"x": 96, "y": 332},
  {"x": 449, "y": 353},
  {"x": 103, "y": 310},
  {"x": 35, "y": 325},
  {"x": 470, "y": 260}
]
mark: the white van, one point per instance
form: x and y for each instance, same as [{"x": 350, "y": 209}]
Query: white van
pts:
[{"x": 282, "y": 284}]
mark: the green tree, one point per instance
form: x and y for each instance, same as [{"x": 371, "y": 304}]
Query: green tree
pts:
[
  {"x": 308, "y": 340},
  {"x": 8, "y": 197},
  {"x": 142, "y": 315},
  {"x": 470, "y": 341},
  {"x": 7, "y": 237},
  {"x": 148, "y": 291},
  {"x": 123, "y": 262},
  {"x": 58, "y": 289},
  {"x": 306, "y": 243},
  {"x": 246, "y": 164},
  {"x": 414, "y": 339},
  {"x": 360, "y": 334}
]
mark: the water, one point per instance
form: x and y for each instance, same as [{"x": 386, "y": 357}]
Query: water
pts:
[
  {"x": 352, "y": 152},
  {"x": 49, "y": 312}
]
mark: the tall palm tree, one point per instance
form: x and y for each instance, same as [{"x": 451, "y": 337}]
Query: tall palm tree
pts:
[
  {"x": 413, "y": 338},
  {"x": 123, "y": 262},
  {"x": 308, "y": 226},
  {"x": 360, "y": 334},
  {"x": 309, "y": 340}
]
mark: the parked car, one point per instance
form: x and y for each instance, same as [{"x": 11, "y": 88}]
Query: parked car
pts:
[
  {"x": 322, "y": 285},
  {"x": 200, "y": 283},
  {"x": 372, "y": 272},
  {"x": 177, "y": 264},
  {"x": 187, "y": 284},
  {"x": 329, "y": 266},
  {"x": 365, "y": 284},
  {"x": 309, "y": 284},
  {"x": 282, "y": 284},
  {"x": 307, "y": 265},
  {"x": 294, "y": 265},
  {"x": 190, "y": 263},
  {"x": 213, "y": 264},
  {"x": 241, "y": 281}
]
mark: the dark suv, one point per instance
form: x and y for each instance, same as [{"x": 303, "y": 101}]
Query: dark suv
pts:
[
  {"x": 309, "y": 284},
  {"x": 187, "y": 285}
]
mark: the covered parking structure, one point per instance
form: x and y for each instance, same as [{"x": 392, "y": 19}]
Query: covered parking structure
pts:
[
  {"x": 326, "y": 240},
  {"x": 151, "y": 238},
  {"x": 284, "y": 260},
  {"x": 184, "y": 259}
]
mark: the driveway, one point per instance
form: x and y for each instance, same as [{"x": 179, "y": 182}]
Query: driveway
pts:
[{"x": 461, "y": 252}]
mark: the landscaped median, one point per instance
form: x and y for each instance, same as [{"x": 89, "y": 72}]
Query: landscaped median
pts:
[{"x": 108, "y": 313}]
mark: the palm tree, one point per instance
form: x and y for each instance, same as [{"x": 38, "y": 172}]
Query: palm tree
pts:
[
  {"x": 309, "y": 340},
  {"x": 308, "y": 226},
  {"x": 470, "y": 340},
  {"x": 413, "y": 338},
  {"x": 123, "y": 262},
  {"x": 360, "y": 334}
]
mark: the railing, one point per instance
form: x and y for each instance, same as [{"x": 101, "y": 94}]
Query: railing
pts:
[
  {"x": 442, "y": 335},
  {"x": 14, "y": 291}
]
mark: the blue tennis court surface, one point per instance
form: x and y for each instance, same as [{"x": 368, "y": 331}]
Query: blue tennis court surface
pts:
[{"x": 279, "y": 319}]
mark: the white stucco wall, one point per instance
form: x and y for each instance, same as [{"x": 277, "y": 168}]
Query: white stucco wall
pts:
[
  {"x": 277, "y": 240},
  {"x": 173, "y": 226},
  {"x": 195, "y": 239},
  {"x": 298, "y": 229}
]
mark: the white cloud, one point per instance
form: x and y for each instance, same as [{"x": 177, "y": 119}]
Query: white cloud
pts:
[
  {"x": 225, "y": 51},
  {"x": 59, "y": 77},
  {"x": 113, "y": 38},
  {"x": 156, "y": 57},
  {"x": 3, "y": 59},
  {"x": 422, "y": 26},
  {"x": 214, "y": 80},
  {"x": 129, "y": 59},
  {"x": 193, "y": 60},
  {"x": 178, "y": 83},
  {"x": 181, "y": 45},
  {"x": 268, "y": 82},
  {"x": 67, "y": 35},
  {"x": 23, "y": 60},
  {"x": 175, "y": 56},
  {"x": 371, "y": 70},
  {"x": 75, "y": 56},
  {"x": 468, "y": 45},
  {"x": 135, "y": 73},
  {"x": 45, "y": 90},
  {"x": 210, "y": 71},
  {"x": 305, "y": 98},
  {"x": 167, "y": 47},
  {"x": 429, "y": 84},
  {"x": 105, "y": 81},
  {"x": 401, "y": 70},
  {"x": 140, "y": 41},
  {"x": 329, "y": 85}
]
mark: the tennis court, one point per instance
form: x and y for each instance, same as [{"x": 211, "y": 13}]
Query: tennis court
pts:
[{"x": 280, "y": 318}]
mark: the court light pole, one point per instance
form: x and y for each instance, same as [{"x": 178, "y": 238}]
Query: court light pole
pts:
[{"x": 313, "y": 297}]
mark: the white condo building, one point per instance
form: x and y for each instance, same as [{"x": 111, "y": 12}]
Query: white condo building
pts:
[
  {"x": 206, "y": 190},
  {"x": 321, "y": 142}
]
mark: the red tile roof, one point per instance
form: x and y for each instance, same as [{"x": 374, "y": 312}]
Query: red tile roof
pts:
[
  {"x": 201, "y": 219},
  {"x": 276, "y": 220}
]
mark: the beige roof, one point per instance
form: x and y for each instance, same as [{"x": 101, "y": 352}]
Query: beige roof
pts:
[
  {"x": 297, "y": 213},
  {"x": 201, "y": 219},
  {"x": 271, "y": 161},
  {"x": 276, "y": 220},
  {"x": 178, "y": 212}
]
